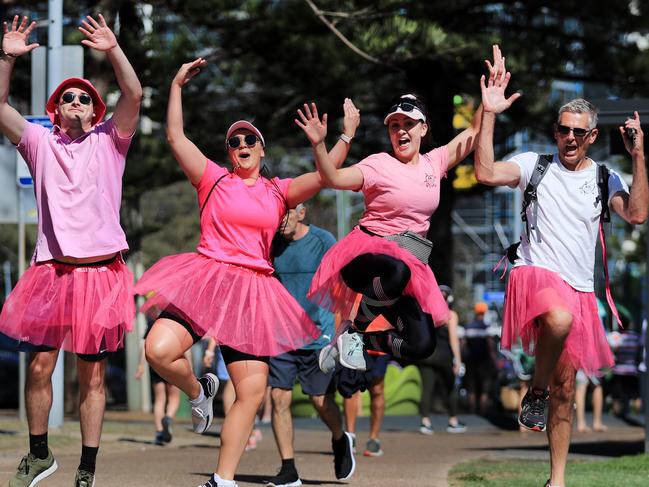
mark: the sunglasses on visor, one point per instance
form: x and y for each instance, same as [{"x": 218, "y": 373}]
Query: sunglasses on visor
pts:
[
  {"x": 249, "y": 140},
  {"x": 406, "y": 106},
  {"x": 84, "y": 98},
  {"x": 577, "y": 131}
]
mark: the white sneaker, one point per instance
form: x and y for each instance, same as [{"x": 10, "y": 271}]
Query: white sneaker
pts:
[
  {"x": 350, "y": 349},
  {"x": 202, "y": 413},
  {"x": 328, "y": 358}
]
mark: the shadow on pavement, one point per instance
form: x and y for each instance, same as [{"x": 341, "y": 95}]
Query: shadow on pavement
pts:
[{"x": 594, "y": 448}]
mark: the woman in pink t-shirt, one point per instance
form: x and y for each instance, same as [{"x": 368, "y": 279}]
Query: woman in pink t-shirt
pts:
[
  {"x": 226, "y": 289},
  {"x": 376, "y": 260}
]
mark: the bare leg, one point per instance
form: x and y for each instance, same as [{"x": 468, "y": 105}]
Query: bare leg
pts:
[
  {"x": 173, "y": 400},
  {"x": 598, "y": 407},
  {"x": 351, "y": 406},
  {"x": 555, "y": 327},
  {"x": 267, "y": 407},
  {"x": 377, "y": 407},
  {"x": 38, "y": 390},
  {"x": 228, "y": 396},
  {"x": 580, "y": 402},
  {"x": 329, "y": 413},
  {"x": 283, "y": 422},
  {"x": 562, "y": 392},
  {"x": 92, "y": 403},
  {"x": 165, "y": 348},
  {"x": 249, "y": 378},
  {"x": 159, "y": 400}
]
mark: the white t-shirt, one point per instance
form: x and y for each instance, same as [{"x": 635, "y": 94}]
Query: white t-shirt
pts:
[{"x": 565, "y": 232}]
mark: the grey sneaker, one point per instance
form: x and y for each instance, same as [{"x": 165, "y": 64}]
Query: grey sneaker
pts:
[
  {"x": 202, "y": 413},
  {"x": 373, "y": 448},
  {"x": 350, "y": 348},
  {"x": 84, "y": 479},
  {"x": 328, "y": 358},
  {"x": 32, "y": 470}
]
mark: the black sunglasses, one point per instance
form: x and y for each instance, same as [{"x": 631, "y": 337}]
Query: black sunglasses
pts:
[
  {"x": 406, "y": 106},
  {"x": 84, "y": 98},
  {"x": 577, "y": 131},
  {"x": 249, "y": 140}
]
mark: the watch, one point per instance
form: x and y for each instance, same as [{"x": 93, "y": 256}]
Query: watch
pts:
[{"x": 346, "y": 138}]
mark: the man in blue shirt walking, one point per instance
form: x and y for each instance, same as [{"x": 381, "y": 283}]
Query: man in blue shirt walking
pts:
[{"x": 298, "y": 252}]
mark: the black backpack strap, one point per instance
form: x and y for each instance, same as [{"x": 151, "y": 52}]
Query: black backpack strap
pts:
[
  {"x": 210, "y": 194},
  {"x": 530, "y": 194},
  {"x": 602, "y": 186}
]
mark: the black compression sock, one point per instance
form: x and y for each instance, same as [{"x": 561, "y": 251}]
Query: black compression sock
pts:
[
  {"x": 38, "y": 445},
  {"x": 88, "y": 458},
  {"x": 288, "y": 463}
]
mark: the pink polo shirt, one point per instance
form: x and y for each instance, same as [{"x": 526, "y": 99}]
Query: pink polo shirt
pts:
[
  {"x": 78, "y": 188},
  {"x": 239, "y": 221},
  {"x": 400, "y": 197}
]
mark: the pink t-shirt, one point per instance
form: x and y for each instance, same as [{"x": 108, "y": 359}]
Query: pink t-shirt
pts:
[
  {"x": 239, "y": 221},
  {"x": 400, "y": 197},
  {"x": 78, "y": 188}
]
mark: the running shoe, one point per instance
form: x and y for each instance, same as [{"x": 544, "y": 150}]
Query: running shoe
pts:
[
  {"x": 426, "y": 429},
  {"x": 202, "y": 413},
  {"x": 533, "y": 409},
  {"x": 286, "y": 477},
  {"x": 32, "y": 470},
  {"x": 344, "y": 461},
  {"x": 167, "y": 432},
  {"x": 158, "y": 440},
  {"x": 456, "y": 428},
  {"x": 350, "y": 348},
  {"x": 353, "y": 435},
  {"x": 328, "y": 358},
  {"x": 373, "y": 448},
  {"x": 84, "y": 479},
  {"x": 213, "y": 483}
]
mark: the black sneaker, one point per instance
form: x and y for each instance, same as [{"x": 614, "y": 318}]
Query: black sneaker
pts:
[
  {"x": 344, "y": 461},
  {"x": 158, "y": 440},
  {"x": 533, "y": 408},
  {"x": 286, "y": 477},
  {"x": 166, "y": 429}
]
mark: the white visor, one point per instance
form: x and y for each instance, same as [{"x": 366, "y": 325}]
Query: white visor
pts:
[
  {"x": 415, "y": 113},
  {"x": 244, "y": 125}
]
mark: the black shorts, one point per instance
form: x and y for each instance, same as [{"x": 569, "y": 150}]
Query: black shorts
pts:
[{"x": 86, "y": 357}]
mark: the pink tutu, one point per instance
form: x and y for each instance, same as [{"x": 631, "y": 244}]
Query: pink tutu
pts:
[
  {"x": 244, "y": 309},
  {"x": 330, "y": 291},
  {"x": 84, "y": 309},
  {"x": 533, "y": 291}
]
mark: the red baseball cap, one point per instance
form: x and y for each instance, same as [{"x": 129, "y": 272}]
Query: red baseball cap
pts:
[{"x": 98, "y": 104}]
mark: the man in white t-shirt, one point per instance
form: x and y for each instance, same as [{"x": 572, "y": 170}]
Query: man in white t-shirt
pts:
[{"x": 550, "y": 303}]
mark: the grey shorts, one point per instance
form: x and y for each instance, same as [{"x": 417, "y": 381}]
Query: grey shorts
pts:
[{"x": 303, "y": 366}]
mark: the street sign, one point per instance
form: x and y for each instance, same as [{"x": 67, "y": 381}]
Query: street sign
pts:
[
  {"x": 494, "y": 296},
  {"x": 23, "y": 176}
]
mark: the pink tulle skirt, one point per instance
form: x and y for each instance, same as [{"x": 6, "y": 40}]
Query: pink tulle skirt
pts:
[
  {"x": 330, "y": 291},
  {"x": 84, "y": 309},
  {"x": 241, "y": 308},
  {"x": 533, "y": 291}
]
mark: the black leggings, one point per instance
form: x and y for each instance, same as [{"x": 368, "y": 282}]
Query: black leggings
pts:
[{"x": 381, "y": 280}]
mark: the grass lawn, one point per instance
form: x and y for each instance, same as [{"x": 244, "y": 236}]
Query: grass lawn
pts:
[{"x": 628, "y": 471}]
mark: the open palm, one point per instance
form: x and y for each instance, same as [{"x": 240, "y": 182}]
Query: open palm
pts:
[
  {"x": 99, "y": 36},
  {"x": 314, "y": 128},
  {"x": 14, "y": 41}
]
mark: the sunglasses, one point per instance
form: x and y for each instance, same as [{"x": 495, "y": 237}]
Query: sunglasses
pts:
[
  {"x": 235, "y": 141},
  {"x": 406, "y": 106},
  {"x": 84, "y": 98},
  {"x": 577, "y": 131}
]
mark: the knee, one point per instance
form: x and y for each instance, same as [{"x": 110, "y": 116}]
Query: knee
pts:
[
  {"x": 281, "y": 399},
  {"x": 92, "y": 382},
  {"x": 155, "y": 354},
  {"x": 558, "y": 321},
  {"x": 40, "y": 370}
]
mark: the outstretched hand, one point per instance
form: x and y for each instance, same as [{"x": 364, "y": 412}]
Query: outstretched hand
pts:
[
  {"x": 493, "y": 90},
  {"x": 14, "y": 42},
  {"x": 99, "y": 36},
  {"x": 637, "y": 144},
  {"x": 188, "y": 70},
  {"x": 352, "y": 118},
  {"x": 314, "y": 128}
]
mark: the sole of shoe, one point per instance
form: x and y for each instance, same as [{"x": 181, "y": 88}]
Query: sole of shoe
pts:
[
  {"x": 210, "y": 400},
  {"x": 368, "y": 453},
  {"x": 426, "y": 431},
  {"x": 350, "y": 442},
  {"x": 297, "y": 483},
  {"x": 44, "y": 474},
  {"x": 532, "y": 428}
]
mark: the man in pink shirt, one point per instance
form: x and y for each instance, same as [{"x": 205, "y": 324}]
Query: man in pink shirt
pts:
[{"x": 77, "y": 294}]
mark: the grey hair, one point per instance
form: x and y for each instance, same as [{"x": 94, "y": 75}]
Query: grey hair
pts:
[
  {"x": 299, "y": 206},
  {"x": 579, "y": 105}
]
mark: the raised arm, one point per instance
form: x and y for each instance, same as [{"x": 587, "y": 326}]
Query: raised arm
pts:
[
  {"x": 101, "y": 38},
  {"x": 14, "y": 44},
  {"x": 634, "y": 207},
  {"x": 487, "y": 171},
  {"x": 192, "y": 161}
]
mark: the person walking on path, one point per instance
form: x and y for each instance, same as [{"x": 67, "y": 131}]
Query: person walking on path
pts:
[
  {"x": 226, "y": 289},
  {"x": 297, "y": 254},
  {"x": 77, "y": 293},
  {"x": 550, "y": 302}
]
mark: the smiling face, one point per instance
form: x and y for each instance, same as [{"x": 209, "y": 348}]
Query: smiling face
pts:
[
  {"x": 572, "y": 149},
  {"x": 245, "y": 159},
  {"x": 74, "y": 113},
  {"x": 405, "y": 136}
]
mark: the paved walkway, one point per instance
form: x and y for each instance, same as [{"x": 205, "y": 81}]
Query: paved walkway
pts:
[{"x": 128, "y": 457}]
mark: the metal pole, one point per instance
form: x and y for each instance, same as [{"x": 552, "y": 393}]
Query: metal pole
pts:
[{"x": 55, "y": 42}]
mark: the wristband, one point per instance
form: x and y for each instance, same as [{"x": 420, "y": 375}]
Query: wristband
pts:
[{"x": 346, "y": 138}]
